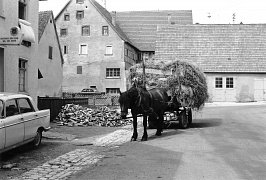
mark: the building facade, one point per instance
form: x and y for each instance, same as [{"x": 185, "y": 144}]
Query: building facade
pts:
[
  {"x": 19, "y": 46},
  {"x": 233, "y": 57},
  {"x": 96, "y": 52},
  {"x": 50, "y": 61}
]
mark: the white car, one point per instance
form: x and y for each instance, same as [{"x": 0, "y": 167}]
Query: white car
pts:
[{"x": 20, "y": 121}]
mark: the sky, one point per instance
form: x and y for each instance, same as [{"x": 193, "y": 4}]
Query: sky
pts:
[{"x": 204, "y": 11}]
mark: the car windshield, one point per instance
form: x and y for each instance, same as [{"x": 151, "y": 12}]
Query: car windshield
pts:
[{"x": 1, "y": 109}]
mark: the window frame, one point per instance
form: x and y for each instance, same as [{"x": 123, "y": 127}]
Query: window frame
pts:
[
  {"x": 106, "y": 50},
  {"x": 29, "y": 103},
  {"x": 50, "y": 52},
  {"x": 83, "y": 30},
  {"x": 61, "y": 32},
  {"x": 80, "y": 49},
  {"x": 78, "y": 17},
  {"x": 79, "y": 1},
  {"x": 66, "y": 15},
  {"x": 229, "y": 83},
  {"x": 22, "y": 82},
  {"x": 79, "y": 69},
  {"x": 113, "y": 73},
  {"x": 65, "y": 49},
  {"x": 117, "y": 90},
  {"x": 218, "y": 83},
  {"x": 105, "y": 32},
  {"x": 22, "y": 15}
]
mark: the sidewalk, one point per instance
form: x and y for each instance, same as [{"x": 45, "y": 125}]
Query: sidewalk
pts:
[{"x": 221, "y": 104}]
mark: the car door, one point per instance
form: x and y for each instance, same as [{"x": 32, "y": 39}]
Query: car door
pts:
[
  {"x": 2, "y": 127},
  {"x": 30, "y": 117},
  {"x": 14, "y": 123}
]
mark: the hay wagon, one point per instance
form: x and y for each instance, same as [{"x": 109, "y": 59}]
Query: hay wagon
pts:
[{"x": 186, "y": 85}]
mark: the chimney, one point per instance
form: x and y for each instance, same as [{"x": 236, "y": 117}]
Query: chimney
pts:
[
  {"x": 113, "y": 14},
  {"x": 169, "y": 18}
]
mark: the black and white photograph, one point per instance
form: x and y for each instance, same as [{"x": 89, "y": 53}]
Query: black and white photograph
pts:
[{"x": 132, "y": 90}]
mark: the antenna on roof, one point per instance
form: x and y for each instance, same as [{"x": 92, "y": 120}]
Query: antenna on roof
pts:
[{"x": 234, "y": 17}]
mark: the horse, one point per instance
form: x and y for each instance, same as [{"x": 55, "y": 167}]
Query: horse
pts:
[{"x": 146, "y": 102}]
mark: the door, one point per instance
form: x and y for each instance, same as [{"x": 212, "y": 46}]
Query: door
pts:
[
  {"x": 2, "y": 128},
  {"x": 14, "y": 124},
  {"x": 1, "y": 69},
  {"x": 30, "y": 117},
  {"x": 224, "y": 89},
  {"x": 260, "y": 89}
]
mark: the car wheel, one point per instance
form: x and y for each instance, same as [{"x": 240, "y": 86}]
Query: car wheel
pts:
[
  {"x": 38, "y": 139},
  {"x": 183, "y": 120}
]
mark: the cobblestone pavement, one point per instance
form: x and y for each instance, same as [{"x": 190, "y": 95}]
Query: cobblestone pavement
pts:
[{"x": 63, "y": 166}]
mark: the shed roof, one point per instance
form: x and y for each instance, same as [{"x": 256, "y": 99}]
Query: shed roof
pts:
[
  {"x": 215, "y": 48},
  {"x": 140, "y": 26}
]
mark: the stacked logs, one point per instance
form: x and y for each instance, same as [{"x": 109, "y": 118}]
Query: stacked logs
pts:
[{"x": 76, "y": 115}]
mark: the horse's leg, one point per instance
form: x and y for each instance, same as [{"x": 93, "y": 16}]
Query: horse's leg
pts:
[
  {"x": 145, "y": 134},
  {"x": 160, "y": 125},
  {"x": 135, "y": 132}
]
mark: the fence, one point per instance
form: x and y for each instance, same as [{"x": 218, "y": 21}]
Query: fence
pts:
[{"x": 55, "y": 103}]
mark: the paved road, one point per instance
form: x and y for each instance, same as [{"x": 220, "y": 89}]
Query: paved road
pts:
[{"x": 223, "y": 143}]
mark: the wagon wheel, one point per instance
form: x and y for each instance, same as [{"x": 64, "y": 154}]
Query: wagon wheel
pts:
[
  {"x": 189, "y": 117},
  {"x": 183, "y": 120}
]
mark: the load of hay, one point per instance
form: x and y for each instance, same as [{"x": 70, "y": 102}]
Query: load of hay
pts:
[{"x": 184, "y": 81}]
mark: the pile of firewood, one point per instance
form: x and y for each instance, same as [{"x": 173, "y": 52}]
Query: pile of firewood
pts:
[{"x": 76, "y": 115}]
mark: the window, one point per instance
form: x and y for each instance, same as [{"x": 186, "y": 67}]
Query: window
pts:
[
  {"x": 79, "y": 69},
  {"x": 85, "y": 30},
  {"x": 65, "y": 49},
  {"x": 218, "y": 82},
  {"x": 50, "y": 56},
  {"x": 109, "y": 50},
  {"x": 80, "y": 14},
  {"x": 22, "y": 7},
  {"x": 105, "y": 31},
  {"x": 79, "y": 1},
  {"x": 63, "y": 32},
  {"x": 112, "y": 72},
  {"x": 22, "y": 65},
  {"x": 112, "y": 90},
  {"x": 229, "y": 82},
  {"x": 66, "y": 17},
  {"x": 126, "y": 52},
  {"x": 83, "y": 49},
  {"x": 25, "y": 106},
  {"x": 11, "y": 108}
]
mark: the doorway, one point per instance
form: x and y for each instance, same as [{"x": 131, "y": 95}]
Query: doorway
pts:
[{"x": 1, "y": 69}]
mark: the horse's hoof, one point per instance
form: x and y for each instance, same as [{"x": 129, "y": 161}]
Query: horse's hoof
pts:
[
  {"x": 144, "y": 139},
  {"x": 158, "y": 133},
  {"x": 133, "y": 139}
]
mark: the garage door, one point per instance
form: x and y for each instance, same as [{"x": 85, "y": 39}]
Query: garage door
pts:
[{"x": 260, "y": 89}]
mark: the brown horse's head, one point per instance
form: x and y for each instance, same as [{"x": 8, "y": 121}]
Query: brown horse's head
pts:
[
  {"x": 127, "y": 100},
  {"x": 124, "y": 102}
]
